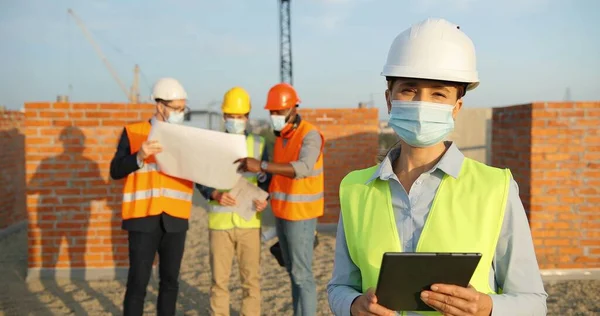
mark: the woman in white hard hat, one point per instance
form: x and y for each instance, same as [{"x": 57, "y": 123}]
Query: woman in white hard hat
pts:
[
  {"x": 156, "y": 207},
  {"x": 464, "y": 205}
]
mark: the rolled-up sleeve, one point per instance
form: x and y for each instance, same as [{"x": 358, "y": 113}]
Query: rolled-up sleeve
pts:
[
  {"x": 205, "y": 191},
  {"x": 516, "y": 268},
  {"x": 346, "y": 280},
  {"x": 309, "y": 153},
  {"x": 265, "y": 180}
]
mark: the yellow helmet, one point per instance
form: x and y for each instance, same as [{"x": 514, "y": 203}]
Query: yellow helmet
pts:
[{"x": 236, "y": 101}]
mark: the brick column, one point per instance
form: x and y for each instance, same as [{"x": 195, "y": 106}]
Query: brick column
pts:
[
  {"x": 511, "y": 145},
  {"x": 351, "y": 143},
  {"x": 12, "y": 171},
  {"x": 553, "y": 150}
]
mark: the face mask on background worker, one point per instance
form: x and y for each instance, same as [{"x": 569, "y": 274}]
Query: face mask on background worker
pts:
[
  {"x": 175, "y": 117},
  {"x": 172, "y": 116},
  {"x": 171, "y": 100},
  {"x": 236, "y": 109},
  {"x": 235, "y": 126},
  {"x": 278, "y": 122},
  {"x": 282, "y": 100},
  {"x": 420, "y": 123}
]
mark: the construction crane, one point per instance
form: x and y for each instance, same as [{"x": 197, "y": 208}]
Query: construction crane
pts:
[
  {"x": 133, "y": 94},
  {"x": 285, "y": 42}
]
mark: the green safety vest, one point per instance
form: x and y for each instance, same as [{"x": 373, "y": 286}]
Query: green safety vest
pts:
[
  {"x": 223, "y": 217},
  {"x": 466, "y": 216}
]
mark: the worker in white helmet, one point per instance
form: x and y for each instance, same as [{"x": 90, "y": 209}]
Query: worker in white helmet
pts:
[
  {"x": 156, "y": 207},
  {"x": 464, "y": 205}
]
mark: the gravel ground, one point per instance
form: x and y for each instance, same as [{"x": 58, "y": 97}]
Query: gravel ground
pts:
[
  {"x": 104, "y": 297},
  {"x": 573, "y": 297}
]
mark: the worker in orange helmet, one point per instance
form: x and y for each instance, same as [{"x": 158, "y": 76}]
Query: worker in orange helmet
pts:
[{"x": 296, "y": 190}]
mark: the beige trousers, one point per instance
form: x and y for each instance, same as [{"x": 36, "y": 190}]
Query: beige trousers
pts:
[{"x": 245, "y": 244}]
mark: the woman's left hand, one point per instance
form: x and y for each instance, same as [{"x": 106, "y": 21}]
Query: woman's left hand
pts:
[{"x": 452, "y": 300}]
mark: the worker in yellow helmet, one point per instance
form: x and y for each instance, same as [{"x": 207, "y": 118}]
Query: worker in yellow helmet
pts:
[{"x": 229, "y": 233}]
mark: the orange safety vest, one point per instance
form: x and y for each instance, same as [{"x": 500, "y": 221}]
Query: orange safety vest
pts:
[
  {"x": 149, "y": 192},
  {"x": 297, "y": 199}
]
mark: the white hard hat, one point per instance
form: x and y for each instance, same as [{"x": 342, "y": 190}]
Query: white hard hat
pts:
[
  {"x": 168, "y": 89},
  {"x": 433, "y": 49}
]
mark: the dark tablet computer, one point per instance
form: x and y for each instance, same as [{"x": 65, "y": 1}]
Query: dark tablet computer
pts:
[{"x": 404, "y": 275}]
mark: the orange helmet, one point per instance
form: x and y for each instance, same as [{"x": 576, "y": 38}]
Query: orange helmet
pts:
[{"x": 281, "y": 96}]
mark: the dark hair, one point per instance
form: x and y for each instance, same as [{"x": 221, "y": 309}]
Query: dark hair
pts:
[
  {"x": 381, "y": 156},
  {"x": 460, "y": 86}
]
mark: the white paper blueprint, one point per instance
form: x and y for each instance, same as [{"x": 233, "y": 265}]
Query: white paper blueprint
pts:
[
  {"x": 245, "y": 193},
  {"x": 199, "y": 155}
]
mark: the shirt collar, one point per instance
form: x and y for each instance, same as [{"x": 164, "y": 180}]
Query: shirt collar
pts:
[{"x": 450, "y": 164}]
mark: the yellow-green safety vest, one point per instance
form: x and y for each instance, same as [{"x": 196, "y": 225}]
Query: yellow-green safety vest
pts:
[
  {"x": 223, "y": 217},
  {"x": 466, "y": 216}
]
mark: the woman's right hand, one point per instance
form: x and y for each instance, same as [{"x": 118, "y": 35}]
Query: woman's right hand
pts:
[
  {"x": 366, "y": 305},
  {"x": 224, "y": 198}
]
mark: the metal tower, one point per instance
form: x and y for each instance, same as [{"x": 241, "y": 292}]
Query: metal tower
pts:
[
  {"x": 285, "y": 42},
  {"x": 567, "y": 96}
]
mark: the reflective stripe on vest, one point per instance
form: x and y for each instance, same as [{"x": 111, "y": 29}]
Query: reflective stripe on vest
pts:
[
  {"x": 466, "y": 216},
  {"x": 154, "y": 193},
  {"x": 297, "y": 199},
  {"x": 223, "y": 217},
  {"x": 147, "y": 191}
]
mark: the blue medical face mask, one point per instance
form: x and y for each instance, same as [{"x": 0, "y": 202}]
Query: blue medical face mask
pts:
[
  {"x": 278, "y": 122},
  {"x": 175, "y": 117},
  {"x": 172, "y": 116},
  {"x": 235, "y": 126},
  {"x": 421, "y": 124}
]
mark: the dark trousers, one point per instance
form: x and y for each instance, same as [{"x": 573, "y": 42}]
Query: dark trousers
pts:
[{"x": 142, "y": 249}]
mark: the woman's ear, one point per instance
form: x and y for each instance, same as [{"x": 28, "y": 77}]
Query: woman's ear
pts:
[{"x": 457, "y": 108}]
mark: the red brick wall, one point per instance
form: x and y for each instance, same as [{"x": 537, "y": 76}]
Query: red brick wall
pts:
[
  {"x": 73, "y": 206},
  {"x": 12, "y": 169},
  {"x": 511, "y": 145},
  {"x": 557, "y": 166},
  {"x": 553, "y": 150},
  {"x": 351, "y": 142}
]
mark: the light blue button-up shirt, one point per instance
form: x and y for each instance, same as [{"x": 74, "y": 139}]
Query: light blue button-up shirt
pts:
[{"x": 514, "y": 267}]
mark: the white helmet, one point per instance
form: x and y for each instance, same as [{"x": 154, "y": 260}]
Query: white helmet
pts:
[
  {"x": 168, "y": 89},
  {"x": 433, "y": 49}
]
